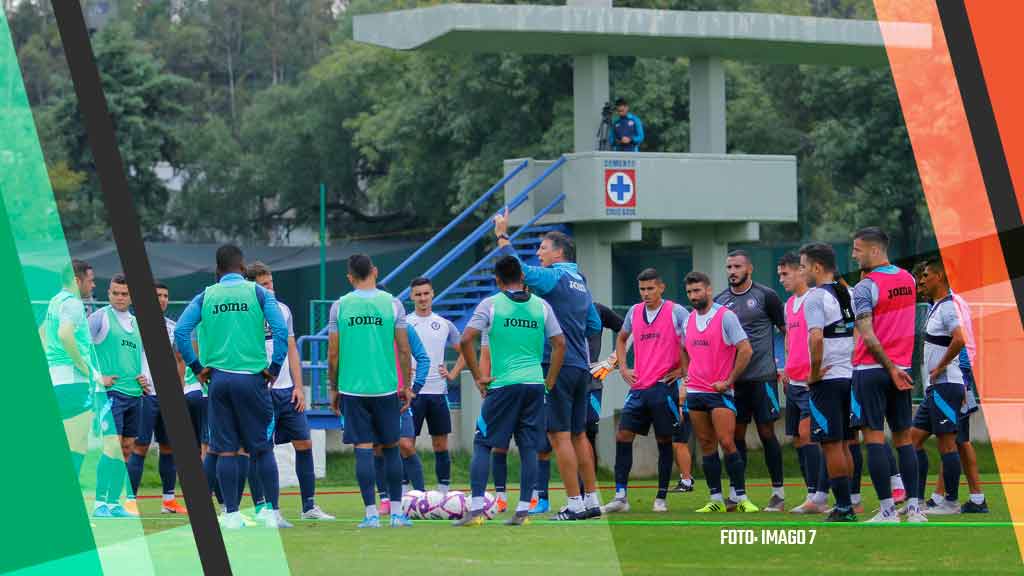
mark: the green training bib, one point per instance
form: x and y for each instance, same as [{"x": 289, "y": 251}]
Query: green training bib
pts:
[{"x": 366, "y": 351}]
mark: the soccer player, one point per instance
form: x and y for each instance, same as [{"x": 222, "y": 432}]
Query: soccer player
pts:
[
  {"x": 431, "y": 402},
  {"x": 884, "y": 302},
  {"x": 716, "y": 352},
  {"x": 657, "y": 327},
  {"x": 125, "y": 375},
  {"x": 152, "y": 424},
  {"x": 829, "y": 321},
  {"x": 756, "y": 393},
  {"x": 229, "y": 319},
  {"x": 69, "y": 353},
  {"x": 366, "y": 334},
  {"x": 290, "y": 424},
  {"x": 518, "y": 324},
  {"x": 560, "y": 284},
  {"x": 939, "y": 414},
  {"x": 499, "y": 456},
  {"x": 798, "y": 366}
]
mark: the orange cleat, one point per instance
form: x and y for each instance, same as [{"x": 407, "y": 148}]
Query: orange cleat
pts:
[
  {"x": 173, "y": 507},
  {"x": 131, "y": 506},
  {"x": 502, "y": 506}
]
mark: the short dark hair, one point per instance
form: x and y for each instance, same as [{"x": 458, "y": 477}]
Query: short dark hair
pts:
[
  {"x": 75, "y": 269},
  {"x": 695, "y": 277},
  {"x": 790, "y": 260},
  {"x": 821, "y": 253},
  {"x": 935, "y": 264},
  {"x": 874, "y": 235},
  {"x": 562, "y": 241},
  {"x": 420, "y": 281},
  {"x": 621, "y": 102},
  {"x": 739, "y": 254},
  {"x": 360, "y": 266},
  {"x": 229, "y": 258},
  {"x": 648, "y": 274},
  {"x": 256, "y": 269},
  {"x": 119, "y": 278},
  {"x": 508, "y": 270},
  {"x": 158, "y": 285}
]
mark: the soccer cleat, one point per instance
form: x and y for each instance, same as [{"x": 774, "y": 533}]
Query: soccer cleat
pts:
[
  {"x": 131, "y": 506},
  {"x": 775, "y": 504},
  {"x": 972, "y": 508},
  {"x": 810, "y": 507},
  {"x": 173, "y": 507},
  {"x": 273, "y": 519},
  {"x": 589, "y": 513},
  {"x": 659, "y": 505},
  {"x": 247, "y": 520},
  {"x": 370, "y": 522},
  {"x": 565, "y": 515},
  {"x": 682, "y": 487},
  {"x": 118, "y": 511},
  {"x": 539, "y": 507},
  {"x": 883, "y": 518},
  {"x": 841, "y": 516},
  {"x": 315, "y": 513},
  {"x": 400, "y": 521},
  {"x": 473, "y": 519},
  {"x": 101, "y": 511},
  {"x": 946, "y": 508},
  {"x": 616, "y": 505},
  {"x": 385, "y": 508},
  {"x": 232, "y": 521},
  {"x": 731, "y": 504},
  {"x": 858, "y": 508},
  {"x": 899, "y": 495},
  {"x": 713, "y": 506},
  {"x": 915, "y": 515},
  {"x": 518, "y": 519},
  {"x": 501, "y": 505},
  {"x": 746, "y": 505}
]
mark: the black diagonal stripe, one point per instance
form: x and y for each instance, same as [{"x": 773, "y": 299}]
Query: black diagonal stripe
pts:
[
  {"x": 124, "y": 223},
  {"x": 987, "y": 144}
]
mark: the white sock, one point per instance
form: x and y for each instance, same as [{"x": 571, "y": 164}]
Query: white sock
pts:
[
  {"x": 732, "y": 493},
  {"x": 820, "y": 497},
  {"x": 887, "y": 506},
  {"x": 477, "y": 503},
  {"x": 371, "y": 511},
  {"x": 169, "y": 497},
  {"x": 620, "y": 494},
  {"x": 717, "y": 497},
  {"x": 913, "y": 504},
  {"x": 576, "y": 503},
  {"x": 502, "y": 496},
  {"x": 779, "y": 491},
  {"x": 854, "y": 499},
  {"x": 442, "y": 488},
  {"x": 396, "y": 507},
  {"x": 686, "y": 481},
  {"x": 937, "y": 498},
  {"x": 592, "y": 500},
  {"x": 897, "y": 482},
  {"x": 405, "y": 489},
  {"x": 978, "y": 498},
  {"x": 536, "y": 495},
  {"x": 741, "y": 498},
  {"x": 522, "y": 507}
]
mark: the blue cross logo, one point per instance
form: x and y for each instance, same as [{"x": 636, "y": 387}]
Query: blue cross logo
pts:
[{"x": 620, "y": 188}]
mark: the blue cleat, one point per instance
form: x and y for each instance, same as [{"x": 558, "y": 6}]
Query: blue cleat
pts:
[
  {"x": 400, "y": 521},
  {"x": 370, "y": 522},
  {"x": 541, "y": 507},
  {"x": 118, "y": 511},
  {"x": 101, "y": 511}
]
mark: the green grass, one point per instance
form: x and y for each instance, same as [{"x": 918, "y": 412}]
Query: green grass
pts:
[{"x": 639, "y": 542}]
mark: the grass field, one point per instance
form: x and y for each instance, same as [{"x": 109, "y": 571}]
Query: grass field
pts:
[{"x": 639, "y": 542}]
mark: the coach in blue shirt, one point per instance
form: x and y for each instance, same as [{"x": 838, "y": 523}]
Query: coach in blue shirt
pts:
[{"x": 627, "y": 132}]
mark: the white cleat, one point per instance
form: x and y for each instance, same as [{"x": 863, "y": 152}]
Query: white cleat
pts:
[
  {"x": 616, "y": 505},
  {"x": 315, "y": 513},
  {"x": 915, "y": 515},
  {"x": 943, "y": 509},
  {"x": 883, "y": 518},
  {"x": 232, "y": 521},
  {"x": 660, "y": 505},
  {"x": 273, "y": 519},
  {"x": 809, "y": 507}
]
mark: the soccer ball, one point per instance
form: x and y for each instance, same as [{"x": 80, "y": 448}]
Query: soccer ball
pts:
[
  {"x": 430, "y": 506},
  {"x": 454, "y": 506},
  {"x": 490, "y": 505},
  {"x": 411, "y": 503}
]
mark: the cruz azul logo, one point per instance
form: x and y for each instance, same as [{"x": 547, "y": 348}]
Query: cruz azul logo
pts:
[
  {"x": 520, "y": 323},
  {"x": 230, "y": 307},
  {"x": 620, "y": 187},
  {"x": 365, "y": 320}
]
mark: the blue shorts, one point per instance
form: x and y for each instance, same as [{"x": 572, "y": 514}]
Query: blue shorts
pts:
[
  {"x": 371, "y": 419},
  {"x": 73, "y": 399},
  {"x": 568, "y": 400},
  {"x": 797, "y": 408},
  {"x": 963, "y": 430},
  {"x": 240, "y": 412},
  {"x": 289, "y": 424},
  {"x": 856, "y": 412},
  {"x": 880, "y": 401},
  {"x": 432, "y": 408},
  {"x": 119, "y": 414},
  {"x": 940, "y": 411},
  {"x": 594, "y": 407},
  {"x": 196, "y": 403},
  {"x": 829, "y": 403},
  {"x": 515, "y": 410},
  {"x": 708, "y": 401},
  {"x": 151, "y": 424},
  {"x": 756, "y": 400},
  {"x": 657, "y": 406},
  {"x": 455, "y": 394},
  {"x": 405, "y": 424}
]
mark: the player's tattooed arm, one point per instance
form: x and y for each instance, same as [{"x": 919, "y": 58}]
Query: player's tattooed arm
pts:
[{"x": 866, "y": 330}]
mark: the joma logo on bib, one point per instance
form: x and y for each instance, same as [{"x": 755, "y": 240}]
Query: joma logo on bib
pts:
[
  {"x": 230, "y": 307},
  {"x": 580, "y": 286},
  {"x": 517, "y": 323},
  {"x": 901, "y": 291},
  {"x": 365, "y": 321},
  {"x": 129, "y": 344},
  {"x": 648, "y": 336}
]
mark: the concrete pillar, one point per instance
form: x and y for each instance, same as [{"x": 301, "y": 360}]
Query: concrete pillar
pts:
[
  {"x": 707, "y": 105},
  {"x": 590, "y": 92},
  {"x": 709, "y": 256}
]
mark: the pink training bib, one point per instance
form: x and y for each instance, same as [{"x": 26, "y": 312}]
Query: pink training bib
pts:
[
  {"x": 893, "y": 319},
  {"x": 711, "y": 359},
  {"x": 798, "y": 356},
  {"x": 656, "y": 348}
]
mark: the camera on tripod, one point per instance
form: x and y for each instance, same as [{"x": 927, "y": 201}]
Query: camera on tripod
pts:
[{"x": 607, "y": 111}]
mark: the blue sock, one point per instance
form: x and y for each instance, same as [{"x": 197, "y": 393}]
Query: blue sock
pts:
[
  {"x": 623, "y": 464},
  {"x": 228, "y": 477},
  {"x": 665, "y": 462},
  {"x": 103, "y": 472},
  {"x": 878, "y": 468},
  {"x": 823, "y": 480},
  {"x": 269, "y": 481},
  {"x": 118, "y": 477},
  {"x": 393, "y": 470},
  {"x": 380, "y": 477},
  {"x": 951, "y": 475},
  {"x": 499, "y": 461},
  {"x": 527, "y": 471},
  {"x": 801, "y": 456},
  {"x": 812, "y": 453},
  {"x": 858, "y": 467},
  {"x": 922, "y": 474},
  {"x": 247, "y": 471},
  {"x": 737, "y": 470},
  {"x": 841, "y": 488},
  {"x": 307, "y": 480},
  {"x": 908, "y": 469},
  {"x": 741, "y": 447},
  {"x": 135, "y": 465},
  {"x": 713, "y": 472},
  {"x": 443, "y": 466},
  {"x": 893, "y": 468},
  {"x": 413, "y": 468},
  {"x": 365, "y": 474},
  {"x": 479, "y": 469},
  {"x": 167, "y": 473},
  {"x": 210, "y": 469},
  {"x": 543, "y": 478},
  {"x": 76, "y": 462},
  {"x": 772, "y": 459}
]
